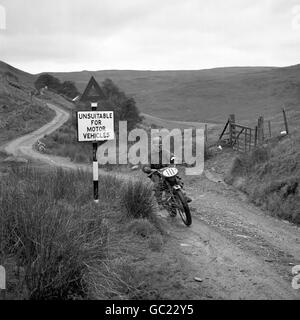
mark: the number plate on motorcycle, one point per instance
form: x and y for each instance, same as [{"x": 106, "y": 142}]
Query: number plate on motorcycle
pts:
[{"x": 170, "y": 172}]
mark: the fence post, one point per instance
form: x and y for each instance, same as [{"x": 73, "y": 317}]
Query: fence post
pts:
[
  {"x": 231, "y": 128},
  {"x": 270, "y": 131},
  {"x": 260, "y": 129},
  {"x": 285, "y": 121},
  {"x": 249, "y": 139},
  {"x": 255, "y": 136},
  {"x": 205, "y": 139}
]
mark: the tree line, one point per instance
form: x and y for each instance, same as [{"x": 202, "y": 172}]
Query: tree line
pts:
[{"x": 67, "y": 88}]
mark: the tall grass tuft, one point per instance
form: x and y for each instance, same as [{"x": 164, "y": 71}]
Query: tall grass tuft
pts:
[{"x": 138, "y": 200}]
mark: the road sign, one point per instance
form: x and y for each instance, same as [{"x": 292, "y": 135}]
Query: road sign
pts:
[
  {"x": 92, "y": 92},
  {"x": 95, "y": 126}
]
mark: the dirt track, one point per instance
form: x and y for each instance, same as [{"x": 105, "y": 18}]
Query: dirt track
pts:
[
  {"x": 23, "y": 146},
  {"x": 237, "y": 250}
]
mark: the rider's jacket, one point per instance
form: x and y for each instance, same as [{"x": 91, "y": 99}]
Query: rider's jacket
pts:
[{"x": 159, "y": 159}]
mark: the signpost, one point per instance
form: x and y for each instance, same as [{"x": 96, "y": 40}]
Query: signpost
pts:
[{"x": 94, "y": 126}]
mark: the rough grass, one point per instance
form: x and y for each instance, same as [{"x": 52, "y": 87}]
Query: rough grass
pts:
[
  {"x": 137, "y": 199},
  {"x": 52, "y": 231},
  {"x": 271, "y": 177},
  {"x": 56, "y": 243}
]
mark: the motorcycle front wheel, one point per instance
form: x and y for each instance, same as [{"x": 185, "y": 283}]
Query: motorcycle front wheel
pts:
[{"x": 182, "y": 208}]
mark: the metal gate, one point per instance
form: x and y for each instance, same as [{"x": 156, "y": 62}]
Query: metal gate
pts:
[{"x": 239, "y": 137}]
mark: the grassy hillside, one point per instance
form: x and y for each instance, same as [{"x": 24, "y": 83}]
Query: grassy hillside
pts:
[
  {"x": 205, "y": 95},
  {"x": 18, "y": 117},
  {"x": 19, "y": 112},
  {"x": 24, "y": 77},
  {"x": 270, "y": 175}
]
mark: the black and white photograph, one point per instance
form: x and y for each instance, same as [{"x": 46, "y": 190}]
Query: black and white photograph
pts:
[{"x": 149, "y": 153}]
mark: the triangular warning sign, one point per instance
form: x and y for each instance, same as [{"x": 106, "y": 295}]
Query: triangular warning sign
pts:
[{"x": 92, "y": 92}]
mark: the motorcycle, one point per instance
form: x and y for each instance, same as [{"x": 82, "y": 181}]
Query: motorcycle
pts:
[{"x": 172, "y": 195}]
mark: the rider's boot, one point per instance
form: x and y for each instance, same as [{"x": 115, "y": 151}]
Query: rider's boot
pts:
[{"x": 187, "y": 198}]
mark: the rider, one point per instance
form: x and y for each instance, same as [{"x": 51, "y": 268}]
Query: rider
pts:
[{"x": 165, "y": 158}]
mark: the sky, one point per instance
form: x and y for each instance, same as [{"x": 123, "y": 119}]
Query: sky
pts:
[{"x": 74, "y": 35}]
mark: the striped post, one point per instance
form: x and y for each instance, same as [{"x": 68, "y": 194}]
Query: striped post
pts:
[
  {"x": 95, "y": 163},
  {"x": 2, "y": 282}
]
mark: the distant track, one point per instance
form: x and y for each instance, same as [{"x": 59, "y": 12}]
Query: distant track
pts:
[{"x": 23, "y": 146}]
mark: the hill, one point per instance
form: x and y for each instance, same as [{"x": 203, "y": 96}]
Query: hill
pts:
[
  {"x": 197, "y": 95},
  {"x": 205, "y": 95},
  {"x": 20, "y": 112},
  {"x": 25, "y": 78}
]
